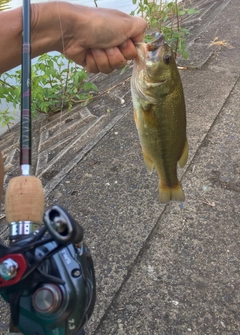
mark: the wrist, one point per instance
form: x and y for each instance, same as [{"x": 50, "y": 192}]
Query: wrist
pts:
[
  {"x": 49, "y": 25},
  {"x": 56, "y": 24}
]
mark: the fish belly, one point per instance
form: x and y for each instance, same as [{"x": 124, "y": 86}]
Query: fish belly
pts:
[{"x": 162, "y": 135}]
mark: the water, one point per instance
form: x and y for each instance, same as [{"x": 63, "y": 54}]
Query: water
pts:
[{"x": 123, "y": 5}]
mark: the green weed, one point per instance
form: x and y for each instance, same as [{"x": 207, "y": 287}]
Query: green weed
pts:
[
  {"x": 56, "y": 83},
  {"x": 165, "y": 17}
]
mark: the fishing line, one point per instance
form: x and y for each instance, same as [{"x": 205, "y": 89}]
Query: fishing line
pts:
[
  {"x": 61, "y": 29},
  {"x": 59, "y": 165}
]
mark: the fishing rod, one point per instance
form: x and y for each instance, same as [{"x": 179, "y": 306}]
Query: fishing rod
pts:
[
  {"x": 24, "y": 200},
  {"x": 46, "y": 272}
]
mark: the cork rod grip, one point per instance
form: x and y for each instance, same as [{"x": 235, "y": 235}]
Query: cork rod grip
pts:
[{"x": 24, "y": 200}]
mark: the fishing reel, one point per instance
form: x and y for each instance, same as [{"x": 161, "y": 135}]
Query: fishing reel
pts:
[{"x": 48, "y": 278}]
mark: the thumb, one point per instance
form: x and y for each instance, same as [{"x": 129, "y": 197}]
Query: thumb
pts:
[{"x": 139, "y": 26}]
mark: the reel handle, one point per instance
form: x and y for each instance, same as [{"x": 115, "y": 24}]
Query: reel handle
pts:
[{"x": 63, "y": 228}]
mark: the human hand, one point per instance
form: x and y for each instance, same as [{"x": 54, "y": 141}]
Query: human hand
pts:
[
  {"x": 99, "y": 39},
  {"x": 105, "y": 40}
]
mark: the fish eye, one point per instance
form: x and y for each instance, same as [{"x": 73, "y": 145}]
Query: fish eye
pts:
[{"x": 167, "y": 59}]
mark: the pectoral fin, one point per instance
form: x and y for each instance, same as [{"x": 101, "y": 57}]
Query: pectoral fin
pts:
[
  {"x": 148, "y": 162},
  {"x": 183, "y": 160},
  {"x": 135, "y": 118}
]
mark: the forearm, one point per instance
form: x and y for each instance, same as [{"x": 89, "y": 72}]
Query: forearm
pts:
[
  {"x": 46, "y": 32},
  {"x": 99, "y": 39},
  {"x": 10, "y": 39}
]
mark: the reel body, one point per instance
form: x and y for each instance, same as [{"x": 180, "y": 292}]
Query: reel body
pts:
[{"x": 48, "y": 278}]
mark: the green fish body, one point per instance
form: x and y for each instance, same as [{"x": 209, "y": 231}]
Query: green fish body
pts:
[{"x": 160, "y": 114}]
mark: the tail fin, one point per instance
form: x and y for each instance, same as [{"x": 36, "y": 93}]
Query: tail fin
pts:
[{"x": 171, "y": 193}]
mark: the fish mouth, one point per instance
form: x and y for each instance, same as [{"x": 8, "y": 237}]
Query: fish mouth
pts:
[
  {"x": 154, "y": 47},
  {"x": 149, "y": 51},
  {"x": 158, "y": 41},
  {"x": 148, "y": 54}
]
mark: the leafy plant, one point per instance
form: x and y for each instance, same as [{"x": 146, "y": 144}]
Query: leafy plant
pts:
[
  {"x": 4, "y": 5},
  {"x": 56, "y": 83},
  {"x": 166, "y": 17},
  {"x": 6, "y": 119}
]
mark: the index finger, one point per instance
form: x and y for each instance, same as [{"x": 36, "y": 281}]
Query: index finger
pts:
[{"x": 128, "y": 49}]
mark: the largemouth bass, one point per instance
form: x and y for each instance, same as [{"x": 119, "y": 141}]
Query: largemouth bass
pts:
[{"x": 160, "y": 115}]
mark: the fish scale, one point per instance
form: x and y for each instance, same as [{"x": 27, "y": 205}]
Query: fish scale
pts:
[{"x": 160, "y": 114}]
